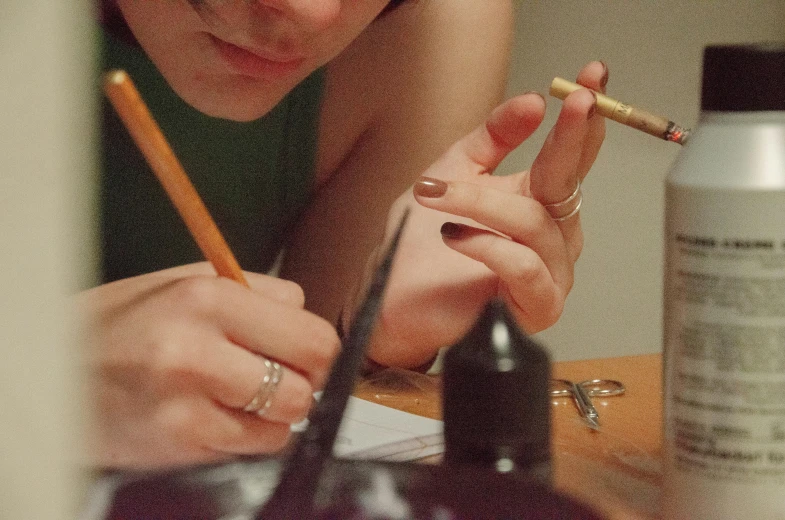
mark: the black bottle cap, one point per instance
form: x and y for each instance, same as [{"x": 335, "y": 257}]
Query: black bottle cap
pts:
[
  {"x": 744, "y": 78},
  {"x": 495, "y": 397}
]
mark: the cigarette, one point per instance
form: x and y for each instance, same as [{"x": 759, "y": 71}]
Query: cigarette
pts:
[
  {"x": 128, "y": 103},
  {"x": 626, "y": 114}
]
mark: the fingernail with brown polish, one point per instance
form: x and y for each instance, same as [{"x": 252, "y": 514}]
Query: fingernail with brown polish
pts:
[
  {"x": 593, "y": 109},
  {"x": 430, "y": 188},
  {"x": 604, "y": 78},
  {"x": 452, "y": 230}
]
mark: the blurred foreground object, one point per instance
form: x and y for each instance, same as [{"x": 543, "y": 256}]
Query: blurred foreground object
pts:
[
  {"x": 497, "y": 407},
  {"x": 47, "y": 192}
]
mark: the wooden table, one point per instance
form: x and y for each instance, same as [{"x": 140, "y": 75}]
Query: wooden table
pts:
[{"x": 615, "y": 469}]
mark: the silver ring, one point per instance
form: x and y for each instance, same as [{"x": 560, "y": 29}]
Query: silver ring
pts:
[
  {"x": 567, "y": 208},
  {"x": 264, "y": 395}
]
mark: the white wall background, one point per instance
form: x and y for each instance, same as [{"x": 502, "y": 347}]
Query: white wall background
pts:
[
  {"x": 46, "y": 121},
  {"x": 653, "y": 50}
]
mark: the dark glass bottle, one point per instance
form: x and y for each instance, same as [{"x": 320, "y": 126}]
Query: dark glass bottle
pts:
[{"x": 495, "y": 398}]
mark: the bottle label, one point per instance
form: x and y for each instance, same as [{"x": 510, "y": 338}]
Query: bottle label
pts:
[{"x": 725, "y": 335}]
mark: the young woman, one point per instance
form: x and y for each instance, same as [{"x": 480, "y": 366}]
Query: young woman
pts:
[{"x": 311, "y": 125}]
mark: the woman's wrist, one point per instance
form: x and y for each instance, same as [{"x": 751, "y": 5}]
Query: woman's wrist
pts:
[{"x": 369, "y": 365}]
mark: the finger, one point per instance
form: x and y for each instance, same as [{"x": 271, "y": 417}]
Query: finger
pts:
[
  {"x": 536, "y": 296},
  {"x": 122, "y": 292},
  {"x": 232, "y": 376},
  {"x": 288, "y": 402},
  {"x": 554, "y": 172},
  {"x": 521, "y": 218},
  {"x": 593, "y": 76},
  {"x": 507, "y": 127},
  {"x": 212, "y": 431},
  {"x": 283, "y": 291},
  {"x": 294, "y": 337},
  {"x": 290, "y": 335}
]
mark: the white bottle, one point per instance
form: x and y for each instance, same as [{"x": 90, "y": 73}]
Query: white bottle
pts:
[{"x": 724, "y": 319}]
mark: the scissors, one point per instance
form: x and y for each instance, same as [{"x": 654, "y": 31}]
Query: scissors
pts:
[{"x": 583, "y": 390}]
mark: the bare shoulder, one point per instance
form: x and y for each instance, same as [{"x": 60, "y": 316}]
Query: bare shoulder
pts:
[{"x": 431, "y": 69}]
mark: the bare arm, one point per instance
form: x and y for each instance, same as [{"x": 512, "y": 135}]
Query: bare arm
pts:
[{"x": 397, "y": 98}]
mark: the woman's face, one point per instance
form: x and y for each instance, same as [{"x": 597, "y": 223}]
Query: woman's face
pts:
[{"x": 236, "y": 59}]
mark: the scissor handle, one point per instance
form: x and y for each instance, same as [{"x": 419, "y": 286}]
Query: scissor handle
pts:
[
  {"x": 602, "y": 387},
  {"x": 560, "y": 387}
]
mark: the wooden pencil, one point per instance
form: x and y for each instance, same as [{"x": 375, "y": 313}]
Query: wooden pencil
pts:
[{"x": 147, "y": 135}]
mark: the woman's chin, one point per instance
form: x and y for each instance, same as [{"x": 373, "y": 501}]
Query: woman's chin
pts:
[{"x": 237, "y": 98}]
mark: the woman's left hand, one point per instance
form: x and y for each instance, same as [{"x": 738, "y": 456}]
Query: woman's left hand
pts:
[{"x": 502, "y": 234}]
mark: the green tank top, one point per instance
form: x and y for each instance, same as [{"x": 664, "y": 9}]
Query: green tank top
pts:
[{"x": 255, "y": 177}]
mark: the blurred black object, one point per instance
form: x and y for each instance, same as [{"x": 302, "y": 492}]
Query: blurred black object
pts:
[
  {"x": 496, "y": 402},
  {"x": 349, "y": 490},
  {"x": 300, "y": 477}
]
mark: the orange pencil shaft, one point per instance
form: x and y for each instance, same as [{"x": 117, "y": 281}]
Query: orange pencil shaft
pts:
[{"x": 128, "y": 103}]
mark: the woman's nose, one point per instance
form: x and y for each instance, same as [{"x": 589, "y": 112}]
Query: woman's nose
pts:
[{"x": 317, "y": 14}]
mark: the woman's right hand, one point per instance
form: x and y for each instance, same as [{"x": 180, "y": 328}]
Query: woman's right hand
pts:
[{"x": 176, "y": 355}]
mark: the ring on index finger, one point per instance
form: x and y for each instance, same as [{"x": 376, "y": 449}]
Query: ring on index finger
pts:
[
  {"x": 264, "y": 394},
  {"x": 567, "y": 208}
]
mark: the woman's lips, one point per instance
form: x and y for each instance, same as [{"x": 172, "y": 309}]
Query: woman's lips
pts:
[{"x": 247, "y": 63}]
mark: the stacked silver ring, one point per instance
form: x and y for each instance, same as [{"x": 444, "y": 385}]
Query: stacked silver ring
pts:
[
  {"x": 567, "y": 208},
  {"x": 264, "y": 395}
]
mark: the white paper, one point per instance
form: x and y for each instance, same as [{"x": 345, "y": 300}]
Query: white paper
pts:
[{"x": 376, "y": 432}]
